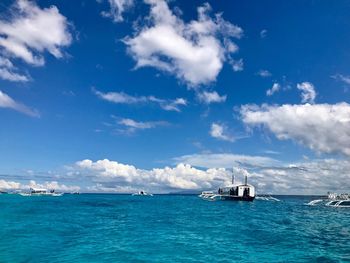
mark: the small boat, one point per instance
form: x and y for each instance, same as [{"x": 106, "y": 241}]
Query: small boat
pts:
[
  {"x": 206, "y": 194},
  {"x": 40, "y": 192},
  {"x": 144, "y": 193},
  {"x": 333, "y": 200}
]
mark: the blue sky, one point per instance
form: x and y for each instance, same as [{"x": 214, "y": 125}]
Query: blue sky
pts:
[{"x": 122, "y": 95}]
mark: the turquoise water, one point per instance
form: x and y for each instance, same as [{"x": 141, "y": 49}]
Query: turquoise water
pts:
[{"x": 169, "y": 228}]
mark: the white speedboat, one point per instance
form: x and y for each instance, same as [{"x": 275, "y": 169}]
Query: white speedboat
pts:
[
  {"x": 40, "y": 192},
  {"x": 143, "y": 193}
]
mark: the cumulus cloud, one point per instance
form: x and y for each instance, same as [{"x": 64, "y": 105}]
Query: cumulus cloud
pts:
[
  {"x": 208, "y": 97},
  {"x": 323, "y": 128},
  {"x": 123, "y": 98},
  {"x": 118, "y": 7},
  {"x": 9, "y": 185},
  {"x": 12, "y": 185},
  {"x": 219, "y": 131},
  {"x": 29, "y": 31},
  {"x": 194, "y": 52},
  {"x": 308, "y": 93},
  {"x": 308, "y": 177},
  {"x": 311, "y": 177},
  {"x": 264, "y": 73},
  {"x": 117, "y": 176},
  {"x": 7, "y": 102},
  {"x": 52, "y": 185},
  {"x": 275, "y": 88}
]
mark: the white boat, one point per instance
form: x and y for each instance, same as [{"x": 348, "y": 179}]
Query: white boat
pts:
[
  {"x": 333, "y": 200},
  {"x": 40, "y": 192},
  {"x": 143, "y": 193},
  {"x": 206, "y": 194},
  {"x": 233, "y": 192}
]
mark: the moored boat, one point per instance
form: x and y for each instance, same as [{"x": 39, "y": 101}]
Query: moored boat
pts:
[
  {"x": 232, "y": 192},
  {"x": 143, "y": 193},
  {"x": 41, "y": 192}
]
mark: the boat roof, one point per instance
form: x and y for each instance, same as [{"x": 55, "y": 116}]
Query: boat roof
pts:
[
  {"x": 38, "y": 189},
  {"x": 236, "y": 185}
]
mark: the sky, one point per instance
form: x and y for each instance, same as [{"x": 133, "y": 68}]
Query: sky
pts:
[{"x": 174, "y": 96}]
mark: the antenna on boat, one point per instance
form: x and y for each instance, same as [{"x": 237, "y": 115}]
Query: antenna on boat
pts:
[
  {"x": 233, "y": 176},
  {"x": 246, "y": 180}
]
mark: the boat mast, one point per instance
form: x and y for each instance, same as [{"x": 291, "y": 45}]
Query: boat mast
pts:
[
  {"x": 245, "y": 180},
  {"x": 233, "y": 177}
]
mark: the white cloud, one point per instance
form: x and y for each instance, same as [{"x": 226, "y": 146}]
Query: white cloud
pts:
[
  {"x": 194, "y": 51},
  {"x": 9, "y": 185},
  {"x": 53, "y": 185},
  {"x": 311, "y": 177},
  {"x": 226, "y": 160},
  {"x": 30, "y": 30},
  {"x": 7, "y": 102},
  {"x": 263, "y": 33},
  {"x": 208, "y": 97},
  {"x": 275, "y": 88},
  {"x": 8, "y": 71},
  {"x": 123, "y": 98},
  {"x": 237, "y": 65},
  {"x": 323, "y": 128},
  {"x": 132, "y": 125},
  {"x": 340, "y": 77},
  {"x": 12, "y": 185},
  {"x": 308, "y": 93},
  {"x": 114, "y": 176},
  {"x": 264, "y": 73},
  {"x": 118, "y": 7},
  {"x": 219, "y": 131}
]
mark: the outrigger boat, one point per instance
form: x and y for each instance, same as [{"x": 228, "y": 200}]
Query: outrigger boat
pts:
[
  {"x": 233, "y": 192},
  {"x": 333, "y": 200},
  {"x": 40, "y": 192},
  {"x": 144, "y": 193}
]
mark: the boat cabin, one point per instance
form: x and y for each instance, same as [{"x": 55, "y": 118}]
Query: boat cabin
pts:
[{"x": 244, "y": 192}]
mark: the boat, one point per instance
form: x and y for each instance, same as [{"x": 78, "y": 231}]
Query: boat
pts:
[
  {"x": 206, "y": 194},
  {"x": 40, "y": 192},
  {"x": 333, "y": 200},
  {"x": 232, "y": 192},
  {"x": 143, "y": 193}
]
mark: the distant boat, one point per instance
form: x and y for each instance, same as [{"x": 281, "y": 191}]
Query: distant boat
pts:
[
  {"x": 144, "y": 193},
  {"x": 40, "y": 192},
  {"x": 233, "y": 192},
  {"x": 333, "y": 200},
  {"x": 3, "y": 192}
]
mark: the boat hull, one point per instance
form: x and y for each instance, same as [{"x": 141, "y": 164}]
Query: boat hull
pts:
[{"x": 237, "y": 198}]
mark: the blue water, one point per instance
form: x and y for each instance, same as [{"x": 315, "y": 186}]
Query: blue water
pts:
[{"x": 122, "y": 228}]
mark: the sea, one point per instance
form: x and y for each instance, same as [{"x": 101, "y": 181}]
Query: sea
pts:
[{"x": 170, "y": 228}]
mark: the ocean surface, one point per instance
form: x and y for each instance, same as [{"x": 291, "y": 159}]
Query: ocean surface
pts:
[{"x": 170, "y": 228}]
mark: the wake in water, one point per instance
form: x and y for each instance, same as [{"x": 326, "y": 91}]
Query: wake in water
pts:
[{"x": 267, "y": 198}]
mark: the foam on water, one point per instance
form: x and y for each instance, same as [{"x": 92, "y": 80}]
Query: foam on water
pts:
[{"x": 121, "y": 228}]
